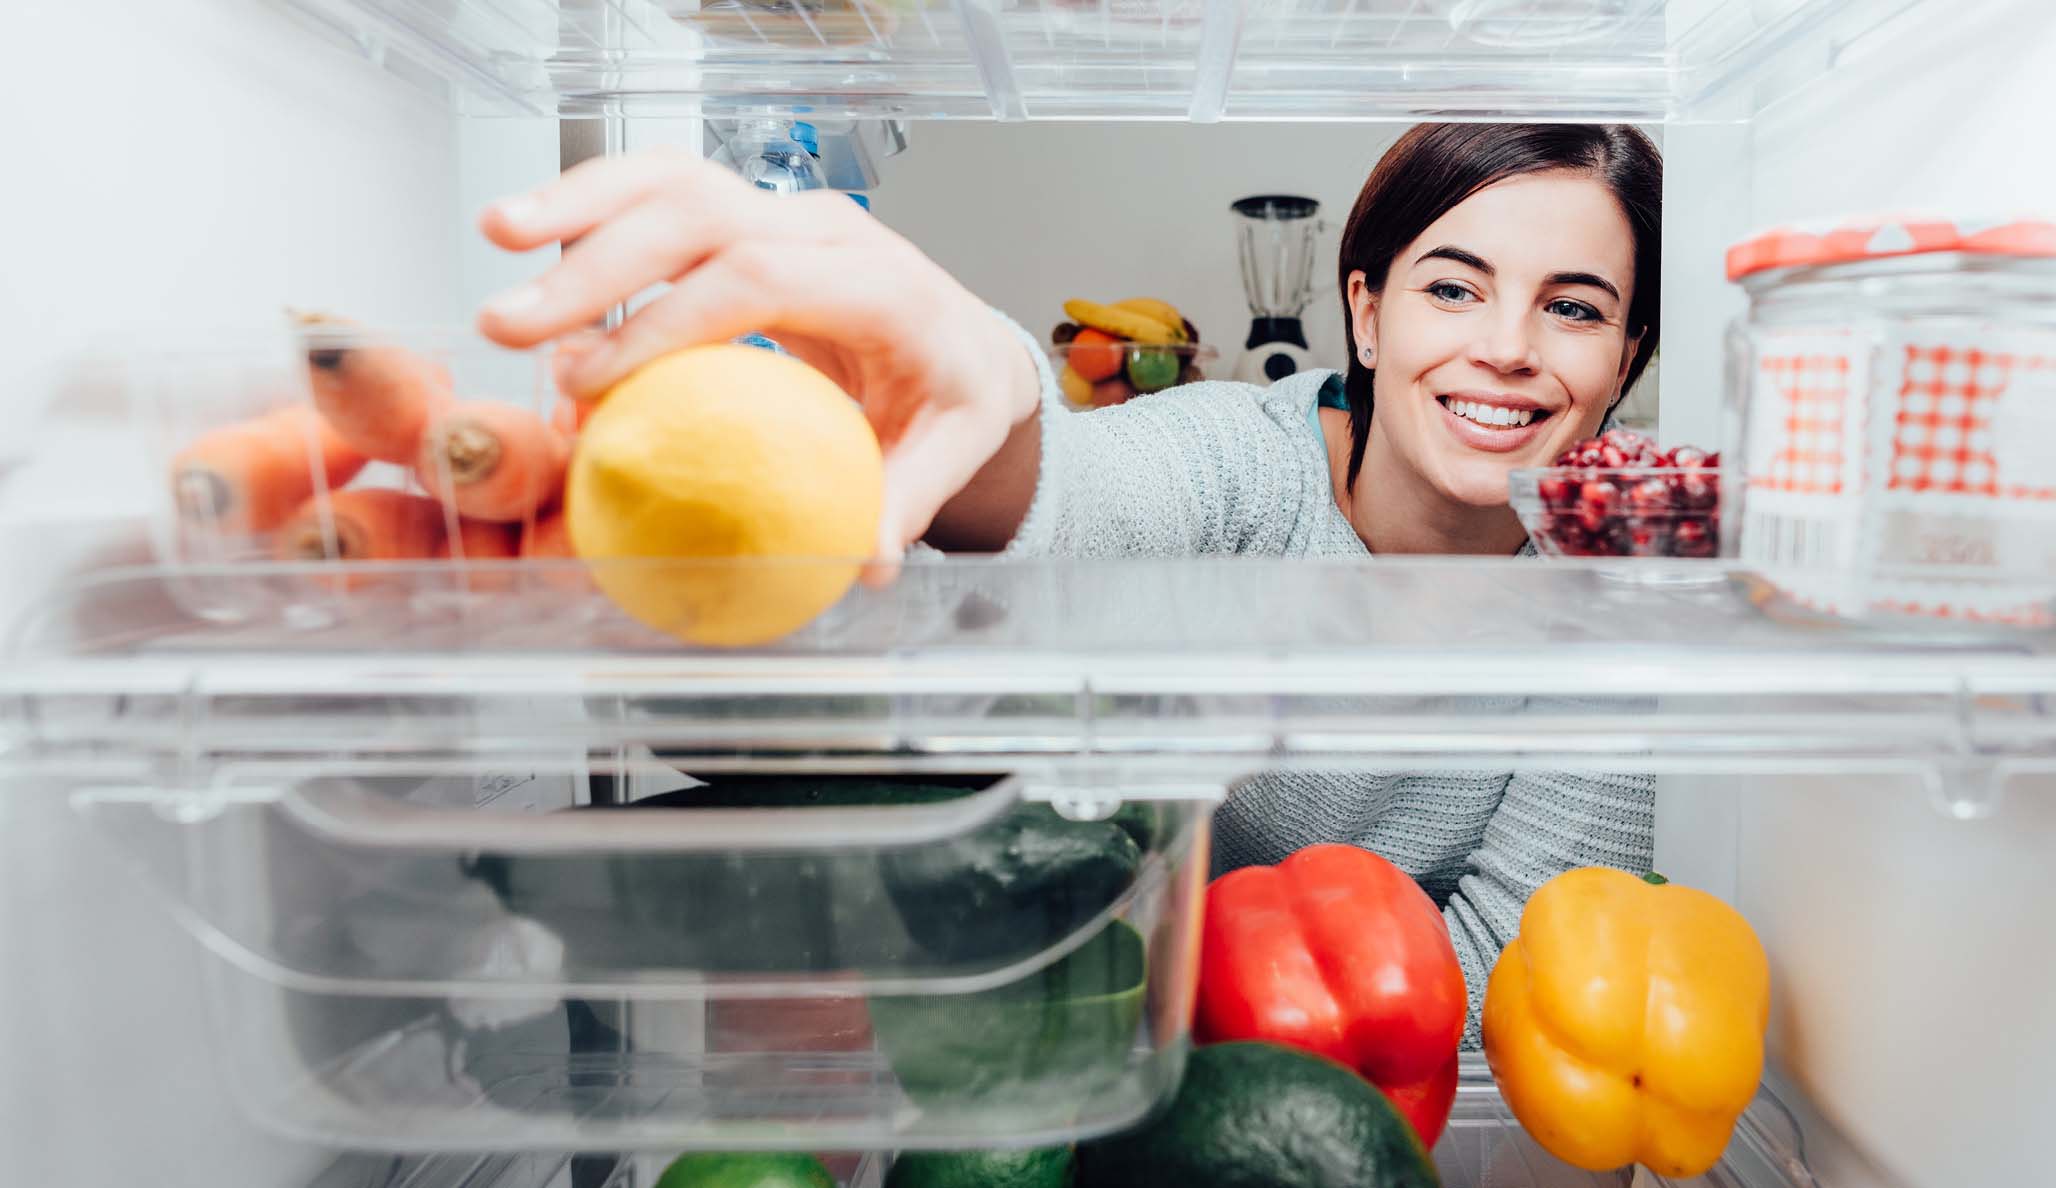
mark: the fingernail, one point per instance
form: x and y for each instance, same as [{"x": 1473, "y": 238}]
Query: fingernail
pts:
[
  {"x": 515, "y": 302},
  {"x": 518, "y": 210}
]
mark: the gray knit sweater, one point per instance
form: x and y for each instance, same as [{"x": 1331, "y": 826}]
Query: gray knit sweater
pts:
[{"x": 1213, "y": 468}]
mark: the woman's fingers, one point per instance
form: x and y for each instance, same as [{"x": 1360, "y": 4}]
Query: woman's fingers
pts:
[
  {"x": 763, "y": 284},
  {"x": 594, "y": 191},
  {"x": 644, "y": 245},
  {"x": 569, "y": 350}
]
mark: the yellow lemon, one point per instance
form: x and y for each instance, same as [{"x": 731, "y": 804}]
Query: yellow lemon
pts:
[{"x": 723, "y": 452}]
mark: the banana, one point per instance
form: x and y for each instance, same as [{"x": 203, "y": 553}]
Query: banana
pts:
[
  {"x": 1123, "y": 323},
  {"x": 1076, "y": 390},
  {"x": 1150, "y": 307}
]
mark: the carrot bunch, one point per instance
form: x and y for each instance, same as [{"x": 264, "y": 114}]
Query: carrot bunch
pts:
[{"x": 490, "y": 475}]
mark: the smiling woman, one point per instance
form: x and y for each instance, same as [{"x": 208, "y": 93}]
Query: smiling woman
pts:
[{"x": 1500, "y": 286}]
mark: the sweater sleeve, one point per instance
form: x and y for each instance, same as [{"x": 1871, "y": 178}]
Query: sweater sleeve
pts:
[
  {"x": 1205, "y": 468},
  {"x": 1546, "y": 823}
]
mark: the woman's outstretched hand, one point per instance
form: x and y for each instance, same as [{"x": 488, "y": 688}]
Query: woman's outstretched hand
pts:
[{"x": 943, "y": 380}]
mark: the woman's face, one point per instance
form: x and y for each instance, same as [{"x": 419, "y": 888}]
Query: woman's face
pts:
[{"x": 1500, "y": 335}]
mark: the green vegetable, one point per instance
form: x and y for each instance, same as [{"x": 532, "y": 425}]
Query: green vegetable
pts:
[
  {"x": 754, "y": 1170},
  {"x": 1012, "y": 887},
  {"x": 1038, "y": 1167},
  {"x": 1257, "y": 1115},
  {"x": 1057, "y": 1035}
]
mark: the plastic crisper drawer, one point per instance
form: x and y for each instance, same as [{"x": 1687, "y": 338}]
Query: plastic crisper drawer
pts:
[{"x": 418, "y": 958}]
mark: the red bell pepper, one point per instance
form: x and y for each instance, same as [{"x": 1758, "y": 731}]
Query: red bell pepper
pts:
[{"x": 1339, "y": 952}]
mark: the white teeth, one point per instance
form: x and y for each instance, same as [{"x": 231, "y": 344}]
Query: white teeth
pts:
[{"x": 1491, "y": 414}]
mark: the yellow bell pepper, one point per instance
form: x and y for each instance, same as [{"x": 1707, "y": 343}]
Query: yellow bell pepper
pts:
[{"x": 1625, "y": 1023}]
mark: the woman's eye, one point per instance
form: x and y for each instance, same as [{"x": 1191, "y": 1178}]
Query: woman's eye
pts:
[
  {"x": 1576, "y": 311},
  {"x": 1446, "y": 291}
]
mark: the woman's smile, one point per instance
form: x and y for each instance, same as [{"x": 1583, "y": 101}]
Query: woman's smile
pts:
[{"x": 1496, "y": 422}]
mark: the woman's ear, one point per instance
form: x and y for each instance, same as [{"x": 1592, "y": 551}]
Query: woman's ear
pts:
[
  {"x": 1363, "y": 319},
  {"x": 1620, "y": 377}
]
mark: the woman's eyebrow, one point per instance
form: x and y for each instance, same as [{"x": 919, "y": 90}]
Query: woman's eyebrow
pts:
[
  {"x": 1584, "y": 278},
  {"x": 1467, "y": 259},
  {"x": 1471, "y": 259}
]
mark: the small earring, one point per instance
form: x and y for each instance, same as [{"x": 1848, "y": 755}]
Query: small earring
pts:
[{"x": 1368, "y": 355}]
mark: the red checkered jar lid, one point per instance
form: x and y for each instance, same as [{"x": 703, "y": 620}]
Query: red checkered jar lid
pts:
[{"x": 1883, "y": 237}]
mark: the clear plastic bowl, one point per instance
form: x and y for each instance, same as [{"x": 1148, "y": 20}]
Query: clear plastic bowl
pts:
[
  {"x": 1114, "y": 373},
  {"x": 1656, "y": 511}
]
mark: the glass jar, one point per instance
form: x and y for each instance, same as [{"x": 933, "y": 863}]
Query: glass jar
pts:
[{"x": 1892, "y": 399}]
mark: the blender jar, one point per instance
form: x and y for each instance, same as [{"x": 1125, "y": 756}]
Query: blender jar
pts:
[{"x": 1275, "y": 239}]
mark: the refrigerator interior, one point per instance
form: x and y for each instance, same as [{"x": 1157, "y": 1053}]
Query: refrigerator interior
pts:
[{"x": 331, "y": 153}]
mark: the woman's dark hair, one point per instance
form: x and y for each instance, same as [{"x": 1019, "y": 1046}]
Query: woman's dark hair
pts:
[{"x": 1432, "y": 167}]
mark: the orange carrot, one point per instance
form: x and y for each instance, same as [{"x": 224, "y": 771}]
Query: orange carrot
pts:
[
  {"x": 379, "y": 397},
  {"x": 368, "y": 524},
  {"x": 248, "y": 477},
  {"x": 492, "y": 461},
  {"x": 483, "y": 540},
  {"x": 486, "y": 541},
  {"x": 547, "y": 538}
]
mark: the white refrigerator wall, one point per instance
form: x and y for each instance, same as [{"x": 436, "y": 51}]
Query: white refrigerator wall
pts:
[
  {"x": 1910, "y": 1000},
  {"x": 1027, "y": 215},
  {"x": 171, "y": 164}
]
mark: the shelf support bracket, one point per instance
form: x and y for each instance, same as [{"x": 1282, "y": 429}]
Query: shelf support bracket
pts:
[
  {"x": 982, "y": 36},
  {"x": 1220, "y": 39}
]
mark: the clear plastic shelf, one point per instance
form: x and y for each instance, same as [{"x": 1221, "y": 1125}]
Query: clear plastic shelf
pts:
[
  {"x": 1485, "y": 1147},
  {"x": 1646, "y": 60},
  {"x": 1075, "y": 675}
]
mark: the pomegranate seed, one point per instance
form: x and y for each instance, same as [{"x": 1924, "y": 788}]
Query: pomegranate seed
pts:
[
  {"x": 1651, "y": 494},
  {"x": 1697, "y": 492},
  {"x": 1597, "y": 500},
  {"x": 1687, "y": 458},
  {"x": 1613, "y": 457},
  {"x": 1627, "y": 441},
  {"x": 1557, "y": 492},
  {"x": 1691, "y": 539}
]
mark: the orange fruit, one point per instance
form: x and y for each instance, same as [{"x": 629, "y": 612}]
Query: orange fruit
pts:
[{"x": 1096, "y": 355}]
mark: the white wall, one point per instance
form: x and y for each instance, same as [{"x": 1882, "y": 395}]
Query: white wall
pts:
[
  {"x": 171, "y": 164},
  {"x": 1027, "y": 215},
  {"x": 1903, "y": 945}
]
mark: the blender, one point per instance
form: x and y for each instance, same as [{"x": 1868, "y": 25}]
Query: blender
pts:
[{"x": 1275, "y": 236}]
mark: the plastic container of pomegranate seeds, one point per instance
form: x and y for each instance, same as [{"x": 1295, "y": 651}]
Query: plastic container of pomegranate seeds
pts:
[
  {"x": 1893, "y": 398},
  {"x": 1618, "y": 495}
]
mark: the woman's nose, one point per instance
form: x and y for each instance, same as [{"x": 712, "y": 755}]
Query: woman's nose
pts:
[{"x": 1505, "y": 344}]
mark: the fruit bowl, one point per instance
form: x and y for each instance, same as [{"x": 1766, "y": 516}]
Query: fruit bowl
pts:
[{"x": 1126, "y": 369}]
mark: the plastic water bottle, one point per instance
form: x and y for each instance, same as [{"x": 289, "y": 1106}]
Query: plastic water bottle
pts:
[
  {"x": 783, "y": 158},
  {"x": 770, "y": 157}
]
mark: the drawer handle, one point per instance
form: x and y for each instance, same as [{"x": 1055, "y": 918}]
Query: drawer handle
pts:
[{"x": 351, "y": 816}]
